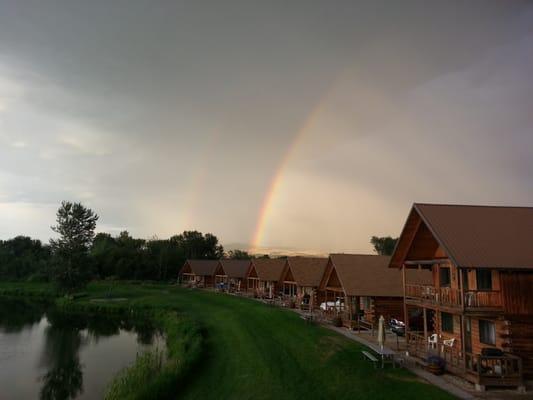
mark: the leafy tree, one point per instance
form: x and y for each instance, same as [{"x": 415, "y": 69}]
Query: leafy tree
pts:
[
  {"x": 23, "y": 258},
  {"x": 196, "y": 245},
  {"x": 75, "y": 226},
  {"x": 103, "y": 254},
  {"x": 165, "y": 258},
  {"x": 384, "y": 246},
  {"x": 239, "y": 255}
]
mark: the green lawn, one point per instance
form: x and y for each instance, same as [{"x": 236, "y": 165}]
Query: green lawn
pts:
[{"x": 254, "y": 351}]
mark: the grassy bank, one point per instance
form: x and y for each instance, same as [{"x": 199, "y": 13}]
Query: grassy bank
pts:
[
  {"x": 156, "y": 374},
  {"x": 252, "y": 351}
]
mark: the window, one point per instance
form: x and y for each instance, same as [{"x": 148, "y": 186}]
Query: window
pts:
[
  {"x": 445, "y": 279},
  {"x": 367, "y": 303},
  {"x": 487, "y": 332},
  {"x": 447, "y": 322},
  {"x": 484, "y": 279}
]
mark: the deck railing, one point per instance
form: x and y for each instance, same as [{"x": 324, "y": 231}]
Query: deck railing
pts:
[
  {"x": 483, "y": 299},
  {"x": 426, "y": 293},
  {"x": 451, "y": 297},
  {"x": 503, "y": 370},
  {"x": 417, "y": 344},
  {"x": 495, "y": 370}
]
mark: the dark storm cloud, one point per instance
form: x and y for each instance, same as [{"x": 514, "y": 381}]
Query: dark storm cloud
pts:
[{"x": 162, "y": 114}]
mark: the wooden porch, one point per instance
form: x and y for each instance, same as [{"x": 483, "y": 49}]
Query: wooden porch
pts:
[{"x": 505, "y": 370}]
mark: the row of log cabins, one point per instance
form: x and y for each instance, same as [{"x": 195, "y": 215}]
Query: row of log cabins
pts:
[
  {"x": 460, "y": 277},
  {"x": 356, "y": 288}
]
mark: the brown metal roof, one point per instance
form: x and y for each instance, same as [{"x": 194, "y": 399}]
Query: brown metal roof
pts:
[
  {"x": 235, "y": 268},
  {"x": 482, "y": 236},
  {"x": 269, "y": 269},
  {"x": 307, "y": 271},
  {"x": 203, "y": 267},
  {"x": 370, "y": 275}
]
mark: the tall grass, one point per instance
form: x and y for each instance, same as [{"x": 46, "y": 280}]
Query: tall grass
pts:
[{"x": 158, "y": 376}]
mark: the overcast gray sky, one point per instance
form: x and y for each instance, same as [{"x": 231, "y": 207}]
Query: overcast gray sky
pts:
[{"x": 308, "y": 125}]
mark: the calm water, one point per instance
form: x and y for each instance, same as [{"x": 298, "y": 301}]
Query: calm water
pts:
[{"x": 49, "y": 355}]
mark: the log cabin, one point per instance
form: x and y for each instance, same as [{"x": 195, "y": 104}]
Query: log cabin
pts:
[
  {"x": 360, "y": 288},
  {"x": 200, "y": 273},
  {"x": 477, "y": 313},
  {"x": 263, "y": 277},
  {"x": 300, "y": 280},
  {"x": 236, "y": 272}
]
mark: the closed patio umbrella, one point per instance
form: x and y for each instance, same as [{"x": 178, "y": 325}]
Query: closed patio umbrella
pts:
[{"x": 381, "y": 331}]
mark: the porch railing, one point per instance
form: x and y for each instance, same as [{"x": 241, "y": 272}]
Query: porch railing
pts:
[
  {"x": 451, "y": 297},
  {"x": 421, "y": 292},
  {"x": 503, "y": 370},
  {"x": 483, "y": 299},
  {"x": 495, "y": 370}
]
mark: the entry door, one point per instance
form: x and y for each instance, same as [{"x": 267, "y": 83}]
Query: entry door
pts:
[{"x": 468, "y": 334}]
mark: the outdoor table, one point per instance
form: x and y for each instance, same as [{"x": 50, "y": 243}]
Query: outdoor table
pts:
[{"x": 386, "y": 354}]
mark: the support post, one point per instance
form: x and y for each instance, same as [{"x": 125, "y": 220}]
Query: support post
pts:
[
  {"x": 425, "y": 323},
  {"x": 405, "y": 314},
  {"x": 357, "y": 308}
]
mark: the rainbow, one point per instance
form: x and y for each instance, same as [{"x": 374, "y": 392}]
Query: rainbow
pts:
[{"x": 277, "y": 179}]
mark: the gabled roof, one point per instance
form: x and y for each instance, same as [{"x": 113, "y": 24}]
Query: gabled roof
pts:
[
  {"x": 235, "y": 268},
  {"x": 269, "y": 269},
  {"x": 366, "y": 275},
  {"x": 370, "y": 275},
  {"x": 307, "y": 271},
  {"x": 474, "y": 236},
  {"x": 203, "y": 267}
]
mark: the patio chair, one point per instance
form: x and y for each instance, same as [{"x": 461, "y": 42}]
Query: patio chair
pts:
[
  {"x": 433, "y": 341},
  {"x": 448, "y": 343}
]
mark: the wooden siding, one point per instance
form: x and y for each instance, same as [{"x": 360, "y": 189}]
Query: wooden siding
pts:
[
  {"x": 424, "y": 246},
  {"x": 520, "y": 330},
  {"x": 456, "y": 334},
  {"x": 477, "y": 346},
  {"x": 389, "y": 307},
  {"x": 517, "y": 292}
]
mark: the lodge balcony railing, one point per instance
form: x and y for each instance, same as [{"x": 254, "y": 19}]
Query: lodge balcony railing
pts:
[
  {"x": 451, "y": 297},
  {"x": 498, "y": 370},
  {"x": 503, "y": 370}
]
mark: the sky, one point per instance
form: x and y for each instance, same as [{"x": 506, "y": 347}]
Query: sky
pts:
[{"x": 307, "y": 125}]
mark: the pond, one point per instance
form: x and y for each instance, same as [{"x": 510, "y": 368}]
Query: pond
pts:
[{"x": 45, "y": 354}]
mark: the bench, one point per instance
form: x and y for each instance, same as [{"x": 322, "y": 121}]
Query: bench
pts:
[
  {"x": 307, "y": 318},
  {"x": 371, "y": 357}
]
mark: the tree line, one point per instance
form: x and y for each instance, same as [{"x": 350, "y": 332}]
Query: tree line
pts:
[{"x": 78, "y": 255}]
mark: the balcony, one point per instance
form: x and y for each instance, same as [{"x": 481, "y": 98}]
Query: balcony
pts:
[{"x": 450, "y": 297}]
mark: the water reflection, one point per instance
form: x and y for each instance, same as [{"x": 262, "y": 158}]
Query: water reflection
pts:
[
  {"x": 16, "y": 315},
  {"x": 66, "y": 336},
  {"x": 63, "y": 340}
]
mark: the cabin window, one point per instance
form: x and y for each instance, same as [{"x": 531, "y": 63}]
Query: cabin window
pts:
[
  {"x": 447, "y": 322},
  {"x": 367, "y": 303},
  {"x": 484, "y": 279},
  {"x": 487, "y": 332},
  {"x": 445, "y": 278}
]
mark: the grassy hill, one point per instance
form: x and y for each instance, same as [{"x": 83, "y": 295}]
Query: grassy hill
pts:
[{"x": 254, "y": 351}]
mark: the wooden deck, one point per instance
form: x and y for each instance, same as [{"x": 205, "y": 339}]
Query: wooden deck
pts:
[{"x": 482, "y": 370}]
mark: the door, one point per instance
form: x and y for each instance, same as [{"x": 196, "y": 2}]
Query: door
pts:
[{"x": 468, "y": 335}]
